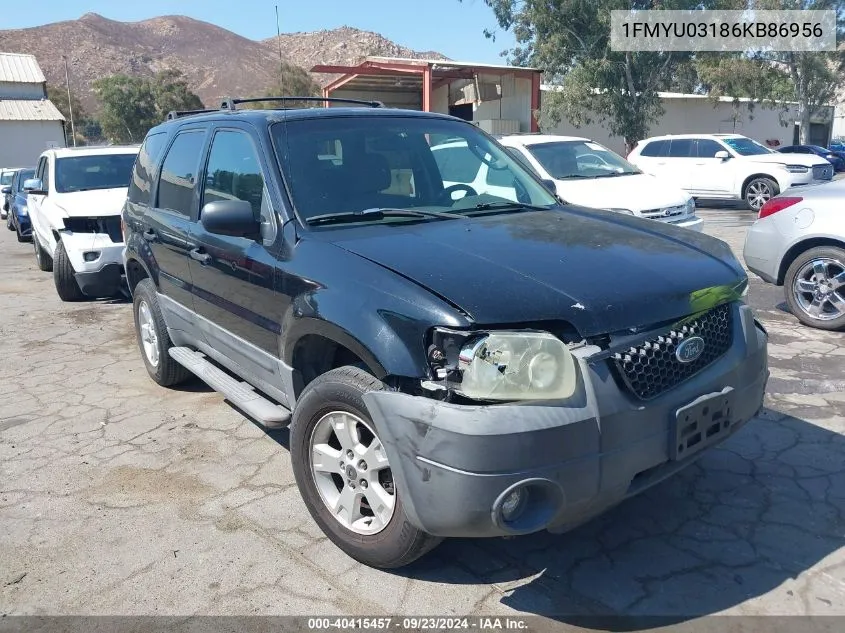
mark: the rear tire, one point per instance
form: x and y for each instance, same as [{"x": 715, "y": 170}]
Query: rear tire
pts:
[
  {"x": 44, "y": 261},
  {"x": 153, "y": 339},
  {"x": 63, "y": 277},
  {"x": 394, "y": 542},
  {"x": 21, "y": 238},
  {"x": 813, "y": 271}
]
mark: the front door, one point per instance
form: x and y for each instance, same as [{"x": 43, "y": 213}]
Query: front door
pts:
[
  {"x": 712, "y": 175},
  {"x": 233, "y": 277},
  {"x": 169, "y": 218}
]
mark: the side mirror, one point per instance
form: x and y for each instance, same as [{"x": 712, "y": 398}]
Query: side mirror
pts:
[
  {"x": 34, "y": 185},
  {"x": 549, "y": 184},
  {"x": 230, "y": 217},
  {"x": 722, "y": 155},
  {"x": 6, "y": 189}
]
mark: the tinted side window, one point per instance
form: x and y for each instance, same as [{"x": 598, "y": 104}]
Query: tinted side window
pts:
[
  {"x": 234, "y": 173},
  {"x": 142, "y": 174},
  {"x": 655, "y": 148},
  {"x": 681, "y": 148},
  {"x": 44, "y": 172},
  {"x": 179, "y": 172},
  {"x": 457, "y": 164},
  {"x": 707, "y": 148}
]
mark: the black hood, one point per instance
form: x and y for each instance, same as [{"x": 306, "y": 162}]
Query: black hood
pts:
[{"x": 598, "y": 271}]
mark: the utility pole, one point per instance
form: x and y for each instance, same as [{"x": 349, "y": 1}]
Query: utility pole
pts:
[
  {"x": 281, "y": 61},
  {"x": 69, "y": 104}
]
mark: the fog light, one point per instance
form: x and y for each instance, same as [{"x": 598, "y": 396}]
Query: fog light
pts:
[
  {"x": 90, "y": 256},
  {"x": 514, "y": 504}
]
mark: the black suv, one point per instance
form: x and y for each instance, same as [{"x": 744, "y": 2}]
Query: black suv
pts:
[{"x": 453, "y": 360}]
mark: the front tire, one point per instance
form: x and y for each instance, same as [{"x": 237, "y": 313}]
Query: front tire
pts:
[
  {"x": 63, "y": 276},
  {"x": 759, "y": 191},
  {"x": 344, "y": 476},
  {"x": 153, "y": 339},
  {"x": 44, "y": 261},
  {"x": 814, "y": 286}
]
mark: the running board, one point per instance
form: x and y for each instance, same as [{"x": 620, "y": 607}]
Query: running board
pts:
[{"x": 240, "y": 394}]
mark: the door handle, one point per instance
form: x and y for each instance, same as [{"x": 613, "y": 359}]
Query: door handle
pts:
[
  {"x": 200, "y": 255},
  {"x": 150, "y": 235}
]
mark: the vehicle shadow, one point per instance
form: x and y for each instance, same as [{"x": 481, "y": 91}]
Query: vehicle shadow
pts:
[{"x": 743, "y": 521}]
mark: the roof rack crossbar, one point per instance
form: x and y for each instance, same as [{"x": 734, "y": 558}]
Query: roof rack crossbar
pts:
[
  {"x": 230, "y": 104},
  {"x": 175, "y": 114}
]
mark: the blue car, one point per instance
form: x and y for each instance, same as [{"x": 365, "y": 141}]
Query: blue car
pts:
[
  {"x": 18, "y": 218},
  {"x": 832, "y": 157}
]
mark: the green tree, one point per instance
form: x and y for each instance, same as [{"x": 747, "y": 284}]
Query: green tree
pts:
[
  {"x": 814, "y": 77},
  {"x": 292, "y": 81},
  {"x": 570, "y": 41},
  {"x": 58, "y": 96},
  {"x": 132, "y": 105}
]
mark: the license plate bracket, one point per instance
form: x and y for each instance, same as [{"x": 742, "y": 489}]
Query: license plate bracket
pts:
[{"x": 702, "y": 423}]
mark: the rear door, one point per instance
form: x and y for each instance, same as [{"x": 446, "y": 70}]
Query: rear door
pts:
[
  {"x": 233, "y": 277},
  {"x": 176, "y": 201},
  {"x": 680, "y": 165},
  {"x": 36, "y": 201}
]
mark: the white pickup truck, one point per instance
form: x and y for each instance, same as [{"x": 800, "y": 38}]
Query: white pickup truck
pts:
[{"x": 74, "y": 204}]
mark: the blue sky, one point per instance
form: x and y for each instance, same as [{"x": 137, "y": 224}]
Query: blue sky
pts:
[{"x": 453, "y": 28}]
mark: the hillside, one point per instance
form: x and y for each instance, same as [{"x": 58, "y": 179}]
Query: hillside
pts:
[{"x": 216, "y": 62}]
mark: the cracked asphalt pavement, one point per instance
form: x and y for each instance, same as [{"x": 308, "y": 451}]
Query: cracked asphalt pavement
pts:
[{"x": 121, "y": 497}]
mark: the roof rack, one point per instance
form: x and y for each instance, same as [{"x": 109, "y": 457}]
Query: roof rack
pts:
[
  {"x": 175, "y": 114},
  {"x": 229, "y": 104}
]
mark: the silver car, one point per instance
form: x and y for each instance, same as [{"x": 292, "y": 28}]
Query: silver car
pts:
[{"x": 798, "y": 242}]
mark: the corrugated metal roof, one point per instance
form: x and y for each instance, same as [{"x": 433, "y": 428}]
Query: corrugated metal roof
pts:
[
  {"x": 29, "y": 110},
  {"x": 18, "y": 68}
]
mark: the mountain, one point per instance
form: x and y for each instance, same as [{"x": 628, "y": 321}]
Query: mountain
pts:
[{"x": 216, "y": 63}]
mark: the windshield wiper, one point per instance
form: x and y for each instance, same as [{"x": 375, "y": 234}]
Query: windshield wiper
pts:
[
  {"x": 504, "y": 206},
  {"x": 377, "y": 213}
]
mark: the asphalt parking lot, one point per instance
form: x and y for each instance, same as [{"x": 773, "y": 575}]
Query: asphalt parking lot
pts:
[{"x": 120, "y": 497}]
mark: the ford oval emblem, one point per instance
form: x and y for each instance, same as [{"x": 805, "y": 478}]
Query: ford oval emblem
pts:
[{"x": 690, "y": 349}]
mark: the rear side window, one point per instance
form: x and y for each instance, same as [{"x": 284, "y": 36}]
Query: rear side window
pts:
[
  {"x": 457, "y": 164},
  {"x": 141, "y": 184},
  {"x": 655, "y": 148},
  {"x": 179, "y": 172},
  {"x": 681, "y": 148}
]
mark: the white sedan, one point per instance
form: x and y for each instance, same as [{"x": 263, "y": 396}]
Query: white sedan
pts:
[
  {"x": 798, "y": 242},
  {"x": 590, "y": 175}
]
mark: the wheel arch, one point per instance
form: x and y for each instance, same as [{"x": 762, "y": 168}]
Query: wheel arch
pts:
[
  {"x": 796, "y": 249},
  {"x": 754, "y": 176}
]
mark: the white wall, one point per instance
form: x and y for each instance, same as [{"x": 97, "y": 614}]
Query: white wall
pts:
[
  {"x": 699, "y": 115},
  {"x": 21, "y": 142},
  {"x": 9, "y": 90},
  {"x": 515, "y": 103},
  {"x": 839, "y": 122}
]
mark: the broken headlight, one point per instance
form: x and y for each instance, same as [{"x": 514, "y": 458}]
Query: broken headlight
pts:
[{"x": 516, "y": 366}]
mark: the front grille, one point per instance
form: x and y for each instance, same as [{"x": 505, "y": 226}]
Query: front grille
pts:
[
  {"x": 668, "y": 212},
  {"x": 110, "y": 225},
  {"x": 652, "y": 368},
  {"x": 823, "y": 172}
]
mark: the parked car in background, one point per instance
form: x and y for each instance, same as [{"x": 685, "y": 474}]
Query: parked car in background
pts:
[
  {"x": 829, "y": 155},
  {"x": 74, "y": 206},
  {"x": 727, "y": 166},
  {"x": 837, "y": 146},
  {"x": 590, "y": 175},
  {"x": 798, "y": 242},
  {"x": 496, "y": 364},
  {"x": 6, "y": 176},
  {"x": 18, "y": 218}
]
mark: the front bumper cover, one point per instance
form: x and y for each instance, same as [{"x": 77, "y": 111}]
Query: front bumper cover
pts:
[{"x": 455, "y": 464}]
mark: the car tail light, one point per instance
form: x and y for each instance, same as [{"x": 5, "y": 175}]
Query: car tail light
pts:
[{"x": 777, "y": 204}]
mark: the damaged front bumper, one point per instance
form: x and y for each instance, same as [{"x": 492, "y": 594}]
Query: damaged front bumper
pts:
[
  {"x": 461, "y": 469},
  {"x": 97, "y": 262}
]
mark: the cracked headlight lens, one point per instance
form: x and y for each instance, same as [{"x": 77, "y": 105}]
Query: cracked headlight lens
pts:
[{"x": 516, "y": 366}]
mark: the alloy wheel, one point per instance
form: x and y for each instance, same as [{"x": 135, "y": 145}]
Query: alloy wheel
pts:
[
  {"x": 819, "y": 288},
  {"x": 350, "y": 469},
  {"x": 758, "y": 194},
  {"x": 149, "y": 337}
]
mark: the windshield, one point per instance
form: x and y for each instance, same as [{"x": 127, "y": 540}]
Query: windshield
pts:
[
  {"x": 99, "y": 171},
  {"x": 746, "y": 147},
  {"x": 24, "y": 175},
  {"x": 348, "y": 165},
  {"x": 580, "y": 159},
  {"x": 6, "y": 178}
]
